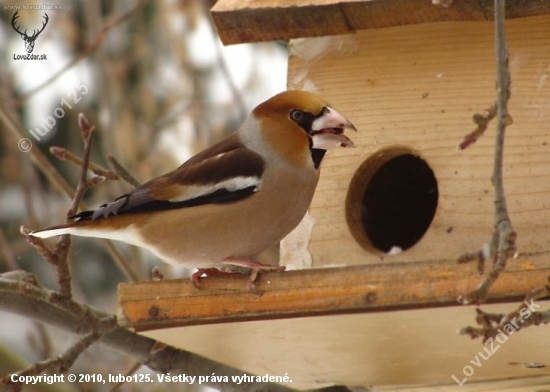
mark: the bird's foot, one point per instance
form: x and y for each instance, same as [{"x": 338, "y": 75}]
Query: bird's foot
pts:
[
  {"x": 196, "y": 277},
  {"x": 255, "y": 269}
]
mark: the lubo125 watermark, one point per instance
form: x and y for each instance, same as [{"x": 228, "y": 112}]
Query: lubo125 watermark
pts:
[{"x": 47, "y": 123}]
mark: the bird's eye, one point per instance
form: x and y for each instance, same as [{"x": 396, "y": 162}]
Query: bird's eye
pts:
[{"x": 297, "y": 115}]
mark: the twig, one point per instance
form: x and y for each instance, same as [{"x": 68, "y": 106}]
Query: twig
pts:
[
  {"x": 478, "y": 256},
  {"x": 39, "y": 245},
  {"x": 41, "y": 341},
  {"x": 65, "y": 360},
  {"x": 96, "y": 325},
  {"x": 130, "y": 372},
  {"x": 121, "y": 261},
  {"x": 87, "y": 132},
  {"x": 43, "y": 164},
  {"x": 47, "y": 254},
  {"x": 225, "y": 70},
  {"x": 502, "y": 244},
  {"x": 22, "y": 295},
  {"x": 482, "y": 121},
  {"x": 65, "y": 155},
  {"x": 7, "y": 252},
  {"x": 122, "y": 172},
  {"x": 59, "y": 364},
  {"x": 83, "y": 185},
  {"x": 36, "y": 156},
  {"x": 520, "y": 318},
  {"x": 94, "y": 181},
  {"x": 63, "y": 244},
  {"x": 96, "y": 43}
]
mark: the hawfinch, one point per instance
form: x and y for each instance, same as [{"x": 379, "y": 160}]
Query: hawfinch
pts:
[{"x": 231, "y": 201}]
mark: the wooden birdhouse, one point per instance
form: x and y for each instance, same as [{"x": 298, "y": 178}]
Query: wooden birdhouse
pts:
[{"x": 376, "y": 255}]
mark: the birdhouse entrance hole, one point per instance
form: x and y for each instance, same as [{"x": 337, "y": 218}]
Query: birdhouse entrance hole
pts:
[{"x": 392, "y": 200}]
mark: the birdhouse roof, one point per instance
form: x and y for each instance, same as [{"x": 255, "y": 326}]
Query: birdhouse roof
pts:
[{"x": 239, "y": 21}]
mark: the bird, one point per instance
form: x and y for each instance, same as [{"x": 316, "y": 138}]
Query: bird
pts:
[{"x": 233, "y": 200}]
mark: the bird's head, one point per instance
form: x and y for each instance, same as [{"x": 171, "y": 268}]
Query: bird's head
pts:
[{"x": 301, "y": 124}]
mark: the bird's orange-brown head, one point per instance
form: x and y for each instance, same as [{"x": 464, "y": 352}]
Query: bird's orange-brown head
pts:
[{"x": 297, "y": 123}]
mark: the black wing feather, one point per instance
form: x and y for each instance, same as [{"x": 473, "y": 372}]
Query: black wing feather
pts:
[{"x": 244, "y": 163}]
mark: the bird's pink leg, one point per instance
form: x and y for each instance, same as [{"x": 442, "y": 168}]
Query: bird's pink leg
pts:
[
  {"x": 255, "y": 267},
  {"x": 196, "y": 277}
]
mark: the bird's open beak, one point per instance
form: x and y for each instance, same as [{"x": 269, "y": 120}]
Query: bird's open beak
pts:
[{"x": 328, "y": 130}]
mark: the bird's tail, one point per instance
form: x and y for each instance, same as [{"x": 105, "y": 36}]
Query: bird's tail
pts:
[
  {"x": 115, "y": 228},
  {"x": 67, "y": 228}
]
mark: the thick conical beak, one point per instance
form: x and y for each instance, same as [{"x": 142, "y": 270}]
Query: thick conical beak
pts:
[{"x": 328, "y": 130}]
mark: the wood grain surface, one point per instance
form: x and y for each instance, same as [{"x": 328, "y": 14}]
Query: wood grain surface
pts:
[
  {"x": 417, "y": 87},
  {"x": 240, "y": 21}
]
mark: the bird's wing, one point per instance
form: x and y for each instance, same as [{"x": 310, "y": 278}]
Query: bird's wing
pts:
[{"x": 225, "y": 172}]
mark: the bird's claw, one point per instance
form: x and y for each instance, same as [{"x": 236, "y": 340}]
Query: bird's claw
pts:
[
  {"x": 255, "y": 269},
  {"x": 196, "y": 277}
]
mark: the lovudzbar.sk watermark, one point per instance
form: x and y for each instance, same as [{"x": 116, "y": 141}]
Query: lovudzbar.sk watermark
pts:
[
  {"x": 23, "y": 29},
  {"x": 33, "y": 7},
  {"x": 502, "y": 336}
]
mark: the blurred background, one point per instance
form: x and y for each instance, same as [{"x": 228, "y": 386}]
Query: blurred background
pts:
[{"x": 158, "y": 84}]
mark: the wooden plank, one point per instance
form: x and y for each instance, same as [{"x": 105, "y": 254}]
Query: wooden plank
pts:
[
  {"x": 518, "y": 384},
  {"x": 418, "y": 86},
  {"x": 170, "y": 303},
  {"x": 240, "y": 21},
  {"x": 410, "y": 350},
  {"x": 516, "y": 9}
]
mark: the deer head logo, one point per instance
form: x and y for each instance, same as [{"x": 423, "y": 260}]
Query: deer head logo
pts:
[{"x": 29, "y": 41}]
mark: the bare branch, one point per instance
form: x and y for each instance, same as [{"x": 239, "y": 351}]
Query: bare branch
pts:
[
  {"x": 520, "y": 318},
  {"x": 225, "y": 70},
  {"x": 122, "y": 172},
  {"x": 121, "y": 262},
  {"x": 43, "y": 164},
  {"x": 503, "y": 241},
  {"x": 94, "y": 181},
  {"x": 23, "y": 295},
  {"x": 64, "y": 242},
  {"x": 41, "y": 342},
  {"x": 477, "y": 256},
  {"x": 39, "y": 245},
  {"x": 87, "y": 134},
  {"x": 59, "y": 364},
  {"x": 482, "y": 121},
  {"x": 7, "y": 252},
  {"x": 36, "y": 156},
  {"x": 64, "y": 155}
]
